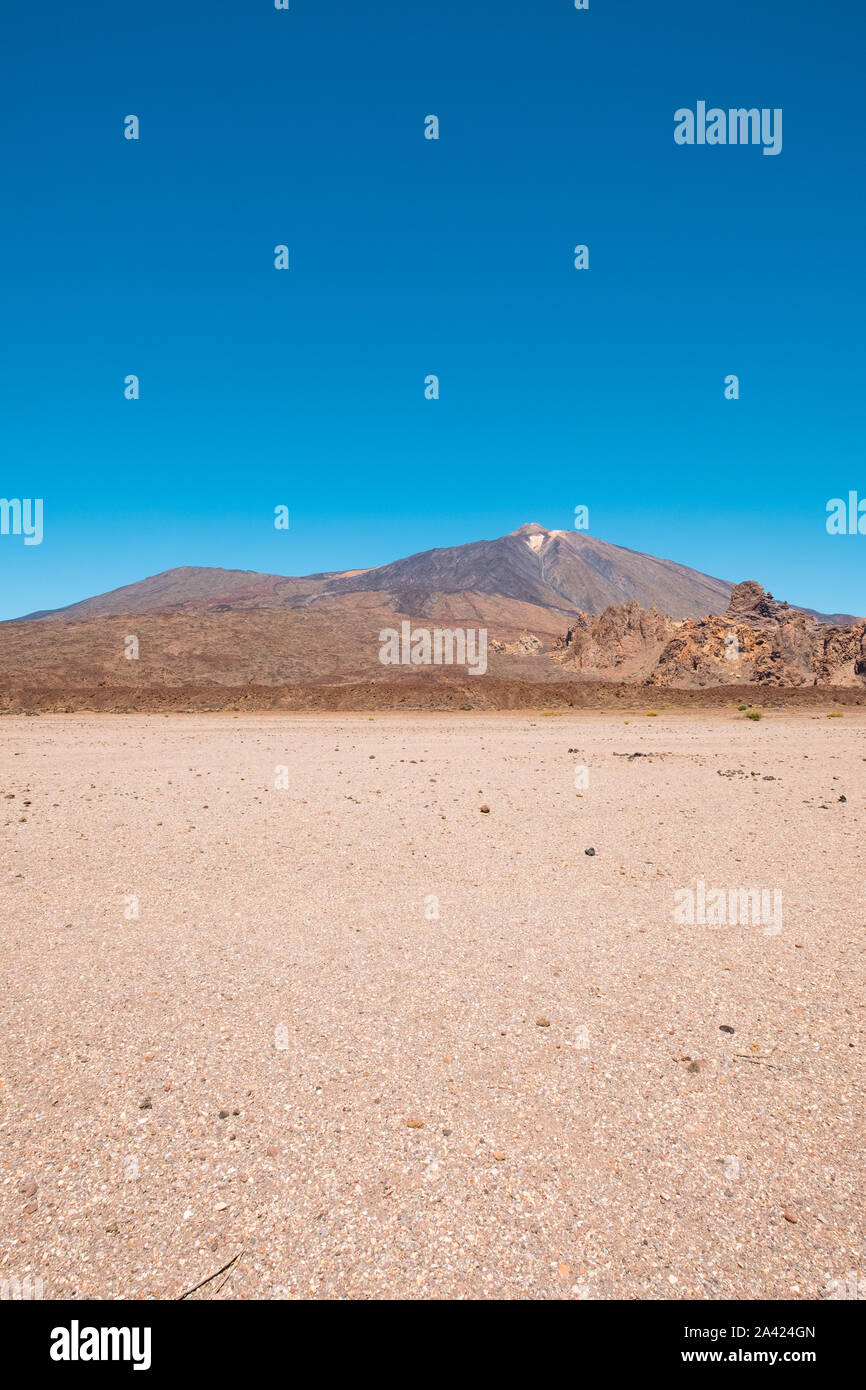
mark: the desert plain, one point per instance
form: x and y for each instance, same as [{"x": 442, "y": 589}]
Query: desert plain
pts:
[{"x": 287, "y": 1013}]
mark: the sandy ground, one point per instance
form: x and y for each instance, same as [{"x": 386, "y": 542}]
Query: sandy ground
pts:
[{"x": 290, "y": 1057}]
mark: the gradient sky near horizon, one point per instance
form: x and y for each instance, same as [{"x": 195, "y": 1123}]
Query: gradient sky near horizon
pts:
[{"x": 411, "y": 257}]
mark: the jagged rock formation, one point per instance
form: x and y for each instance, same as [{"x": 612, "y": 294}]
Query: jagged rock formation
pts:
[
  {"x": 624, "y": 643},
  {"x": 757, "y": 641},
  {"x": 762, "y": 641}
]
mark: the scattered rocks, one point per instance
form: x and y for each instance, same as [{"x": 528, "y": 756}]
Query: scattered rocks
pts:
[
  {"x": 590, "y": 852},
  {"x": 601, "y": 948},
  {"x": 485, "y": 810}
]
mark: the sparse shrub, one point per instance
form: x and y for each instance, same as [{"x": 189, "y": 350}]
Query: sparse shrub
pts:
[
  {"x": 754, "y": 714},
  {"x": 652, "y": 714},
  {"x": 835, "y": 714},
  {"x": 465, "y": 706},
  {"x": 742, "y": 707}
]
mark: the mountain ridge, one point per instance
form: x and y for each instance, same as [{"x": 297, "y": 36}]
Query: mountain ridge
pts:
[{"x": 564, "y": 572}]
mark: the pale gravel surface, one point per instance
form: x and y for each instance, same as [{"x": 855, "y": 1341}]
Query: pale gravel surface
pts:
[{"x": 544, "y": 1169}]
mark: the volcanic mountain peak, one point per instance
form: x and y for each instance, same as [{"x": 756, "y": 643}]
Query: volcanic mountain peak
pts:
[
  {"x": 555, "y": 573},
  {"x": 535, "y": 536},
  {"x": 564, "y": 572},
  {"x": 561, "y": 572}
]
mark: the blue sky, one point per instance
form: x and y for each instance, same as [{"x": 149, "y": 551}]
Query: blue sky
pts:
[{"x": 411, "y": 257}]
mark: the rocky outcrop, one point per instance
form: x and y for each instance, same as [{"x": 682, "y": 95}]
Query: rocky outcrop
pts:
[
  {"x": 762, "y": 641},
  {"x": 624, "y": 643},
  {"x": 758, "y": 640},
  {"x": 525, "y": 644}
]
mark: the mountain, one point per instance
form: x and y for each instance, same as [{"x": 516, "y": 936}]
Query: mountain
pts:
[
  {"x": 561, "y": 610},
  {"x": 565, "y": 572}
]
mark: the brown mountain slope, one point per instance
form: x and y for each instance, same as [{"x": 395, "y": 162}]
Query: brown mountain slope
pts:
[
  {"x": 337, "y": 639},
  {"x": 757, "y": 642}
]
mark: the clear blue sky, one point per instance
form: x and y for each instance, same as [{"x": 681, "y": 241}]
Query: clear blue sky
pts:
[{"x": 411, "y": 257}]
